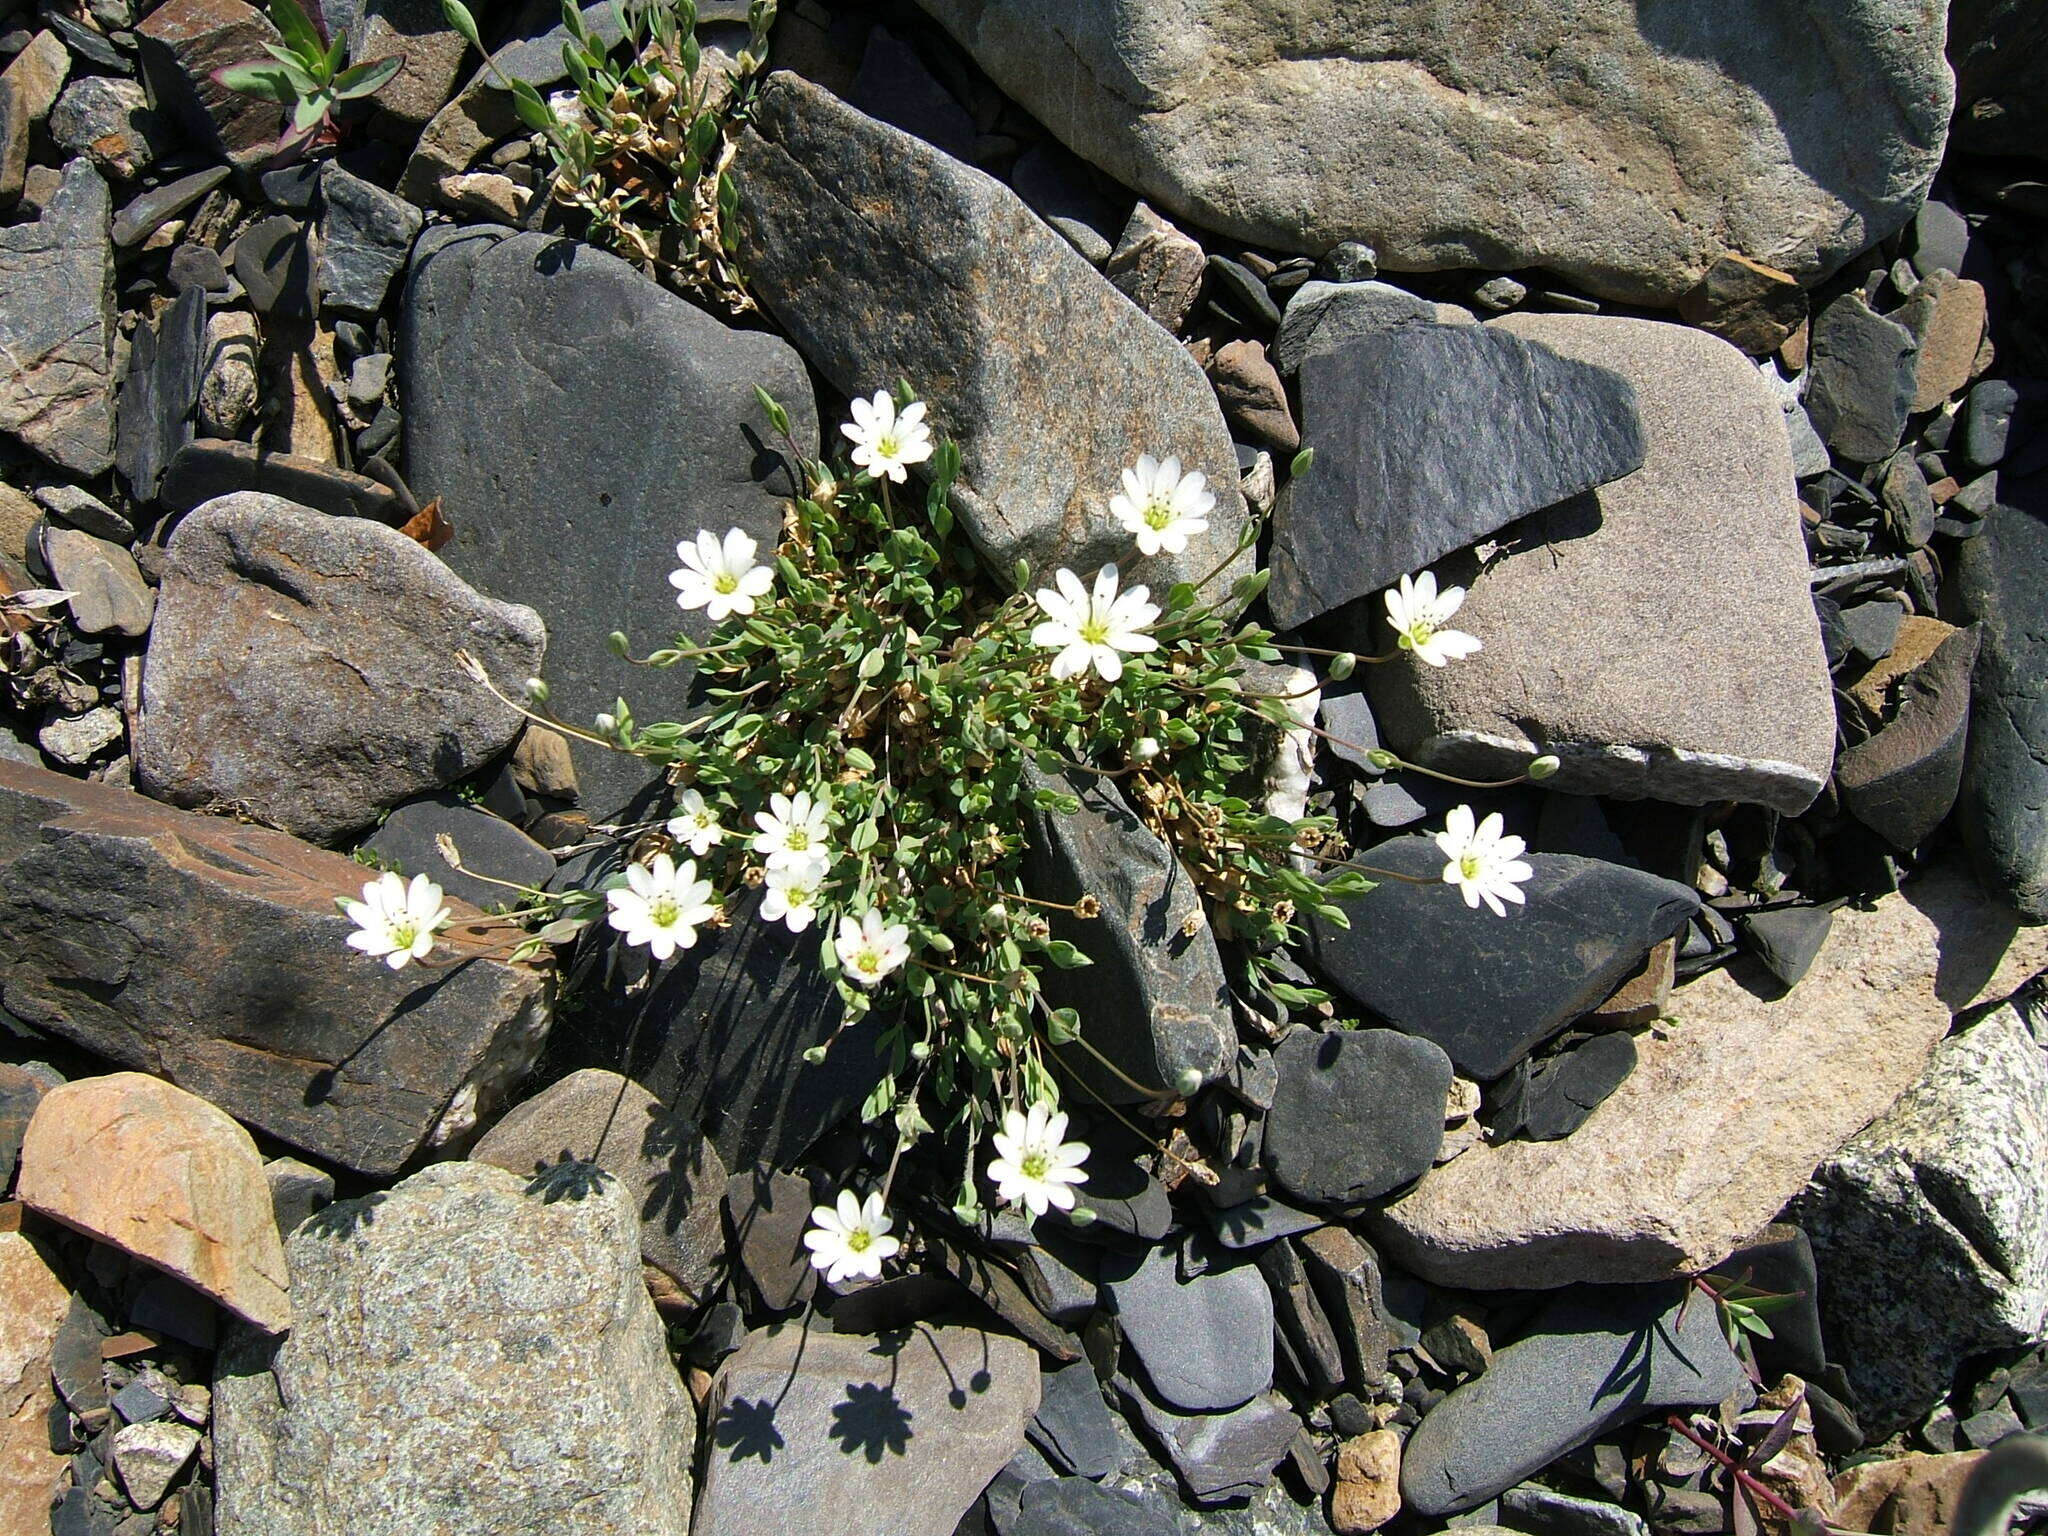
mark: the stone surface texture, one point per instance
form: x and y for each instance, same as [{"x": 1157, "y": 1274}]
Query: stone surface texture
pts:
[
  {"x": 33, "y": 1306},
  {"x": 183, "y": 44},
  {"x": 886, "y": 259},
  {"x": 1725, "y": 1116},
  {"x": 1623, "y": 147},
  {"x": 542, "y": 342},
  {"x": 211, "y": 953},
  {"x": 521, "y": 1322},
  {"x": 896, "y": 1436},
  {"x": 302, "y": 668},
  {"x": 1657, "y": 636},
  {"x": 57, "y": 326},
  {"x": 162, "y": 1175}
]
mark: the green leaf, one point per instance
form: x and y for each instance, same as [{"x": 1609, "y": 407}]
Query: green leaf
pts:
[
  {"x": 297, "y": 29},
  {"x": 777, "y": 416},
  {"x": 459, "y": 18},
  {"x": 311, "y": 113},
  {"x": 367, "y": 79},
  {"x": 1302, "y": 460},
  {"x": 266, "y": 82},
  {"x": 1065, "y": 956},
  {"x": 871, "y": 665},
  {"x": 532, "y": 110}
]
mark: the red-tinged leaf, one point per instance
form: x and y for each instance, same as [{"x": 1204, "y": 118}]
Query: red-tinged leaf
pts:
[{"x": 428, "y": 526}]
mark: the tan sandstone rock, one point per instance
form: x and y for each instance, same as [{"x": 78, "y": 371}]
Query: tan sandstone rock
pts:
[
  {"x": 33, "y": 1302},
  {"x": 1728, "y": 1113},
  {"x": 1368, "y": 1490},
  {"x": 164, "y": 1176}
]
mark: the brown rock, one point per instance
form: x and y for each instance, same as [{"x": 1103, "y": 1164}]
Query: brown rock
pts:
[
  {"x": 298, "y": 359},
  {"x": 1918, "y": 639},
  {"x": 18, "y": 514},
  {"x": 1747, "y": 304},
  {"x": 1643, "y": 998},
  {"x": 33, "y": 1303},
  {"x": 1253, "y": 398},
  {"x": 165, "y": 1177},
  {"x": 541, "y": 763},
  {"x": 1946, "y": 315},
  {"x": 1911, "y": 1495},
  {"x": 183, "y": 44},
  {"x": 433, "y": 52},
  {"x": 672, "y": 1175},
  {"x": 211, "y": 953},
  {"x": 1158, "y": 268},
  {"x": 56, "y": 326},
  {"x": 1727, "y": 1115},
  {"x": 28, "y": 89},
  {"x": 1368, "y": 1490}
]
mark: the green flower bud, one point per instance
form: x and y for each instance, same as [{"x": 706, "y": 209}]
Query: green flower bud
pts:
[
  {"x": 1343, "y": 666},
  {"x": 1188, "y": 1083},
  {"x": 1382, "y": 759},
  {"x": 1543, "y": 767},
  {"x": 537, "y": 690},
  {"x": 618, "y": 642}
]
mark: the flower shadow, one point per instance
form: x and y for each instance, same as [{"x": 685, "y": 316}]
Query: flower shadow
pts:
[
  {"x": 748, "y": 1429},
  {"x": 871, "y": 1421}
]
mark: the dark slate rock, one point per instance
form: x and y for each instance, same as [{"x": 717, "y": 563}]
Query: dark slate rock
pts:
[
  {"x": 1489, "y": 989},
  {"x": 1155, "y": 1001},
  {"x": 1129, "y": 1207},
  {"x": 1349, "y": 261},
  {"x": 1542, "y": 1511},
  {"x": 1307, "y": 1338},
  {"x": 1345, "y": 1274},
  {"x": 538, "y": 341},
  {"x": 366, "y": 234},
  {"x": 145, "y": 215},
  {"x": 1219, "y": 1456},
  {"x": 1324, "y": 315},
  {"x": 997, "y": 1287},
  {"x": 488, "y": 845},
  {"x": 768, "y": 1214},
  {"x": 2001, "y": 580},
  {"x": 293, "y": 187},
  {"x": 76, "y": 1364},
  {"x": 1347, "y": 715},
  {"x": 1987, "y": 416},
  {"x": 1073, "y": 1506},
  {"x": 1073, "y": 1425},
  {"x": 1206, "y": 1343},
  {"x": 1358, "y": 1113},
  {"x": 1787, "y": 939},
  {"x": 73, "y": 506},
  {"x": 894, "y": 85},
  {"x": 210, "y": 952},
  {"x": 1243, "y": 293},
  {"x": 1860, "y": 379},
  {"x": 720, "y": 1037},
  {"x": 884, "y": 259},
  {"x": 136, "y": 1403},
  {"x": 160, "y": 394},
  {"x": 274, "y": 262},
  {"x": 1871, "y": 629},
  {"x": 1908, "y": 501},
  {"x": 1427, "y": 439},
  {"x": 1062, "y": 189},
  {"x": 1260, "y": 1220},
  {"x": 56, "y": 327},
  {"x": 1549, "y": 1099},
  {"x": 1061, "y": 1277},
  {"x": 1938, "y": 238},
  {"x": 20, "y": 1092},
  {"x": 1780, "y": 1262},
  {"x": 209, "y": 467},
  {"x": 1594, "y": 1358}
]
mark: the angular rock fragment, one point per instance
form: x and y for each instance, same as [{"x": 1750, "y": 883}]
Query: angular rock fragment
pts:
[
  {"x": 35, "y": 1303},
  {"x": 210, "y": 952},
  {"x": 366, "y": 234},
  {"x": 56, "y": 327},
  {"x": 184, "y": 43},
  {"x": 1902, "y": 780},
  {"x": 28, "y": 90},
  {"x": 303, "y": 667},
  {"x": 209, "y": 468},
  {"x": 1219, "y": 1456},
  {"x": 1322, "y": 316},
  {"x": 1358, "y": 1113},
  {"x": 1206, "y": 1343},
  {"x": 1861, "y": 379}
]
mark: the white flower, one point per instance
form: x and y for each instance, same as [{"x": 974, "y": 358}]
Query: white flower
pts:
[
  {"x": 795, "y": 835},
  {"x": 851, "y": 1240},
  {"x": 1482, "y": 864},
  {"x": 870, "y": 949},
  {"x": 1162, "y": 506},
  {"x": 1094, "y": 628},
  {"x": 1036, "y": 1163},
  {"x": 1419, "y": 612},
  {"x": 791, "y": 895},
  {"x": 695, "y": 823},
  {"x": 396, "y": 921},
  {"x": 885, "y": 443},
  {"x": 661, "y": 906},
  {"x": 721, "y": 578}
]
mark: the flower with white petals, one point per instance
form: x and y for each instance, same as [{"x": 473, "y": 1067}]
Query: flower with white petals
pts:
[
  {"x": 661, "y": 905},
  {"x": 795, "y": 834},
  {"x": 695, "y": 823},
  {"x": 1419, "y": 613},
  {"x": 870, "y": 949},
  {"x": 851, "y": 1239},
  {"x": 396, "y": 920},
  {"x": 1162, "y": 506},
  {"x": 721, "y": 577},
  {"x": 1482, "y": 863},
  {"x": 1035, "y": 1163},
  {"x": 884, "y": 442},
  {"x": 1094, "y": 628},
  {"x": 791, "y": 896}
]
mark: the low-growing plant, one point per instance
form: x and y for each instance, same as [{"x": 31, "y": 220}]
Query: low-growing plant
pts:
[
  {"x": 882, "y": 720},
  {"x": 643, "y": 144},
  {"x": 310, "y": 76}
]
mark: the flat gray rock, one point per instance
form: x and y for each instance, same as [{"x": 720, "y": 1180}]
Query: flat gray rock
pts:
[
  {"x": 1468, "y": 135},
  {"x": 465, "y": 1358},
  {"x": 1929, "y": 1230},
  {"x": 1860, "y": 390},
  {"x": 1358, "y": 1113},
  {"x": 366, "y": 234},
  {"x": 302, "y": 668},
  {"x": 1427, "y": 439},
  {"x": 57, "y": 327},
  {"x": 1591, "y": 1360},
  {"x": 1207, "y": 1342},
  {"x": 888, "y": 260},
  {"x": 638, "y": 425},
  {"x": 1658, "y": 635},
  {"x": 1323, "y": 315},
  {"x": 896, "y": 1436}
]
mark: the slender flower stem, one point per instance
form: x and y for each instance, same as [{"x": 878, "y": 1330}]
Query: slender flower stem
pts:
[{"x": 1749, "y": 1484}]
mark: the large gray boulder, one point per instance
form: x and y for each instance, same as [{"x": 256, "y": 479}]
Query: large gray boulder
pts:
[
  {"x": 1625, "y": 146},
  {"x": 465, "y": 1358},
  {"x": 1657, "y": 635},
  {"x": 57, "y": 326},
  {"x": 888, "y": 260},
  {"x": 634, "y": 416},
  {"x": 210, "y": 952},
  {"x": 1929, "y": 1230},
  {"x": 302, "y": 668}
]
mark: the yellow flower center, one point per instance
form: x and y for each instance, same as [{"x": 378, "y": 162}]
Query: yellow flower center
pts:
[
  {"x": 886, "y": 446},
  {"x": 403, "y": 933},
  {"x": 1033, "y": 1165},
  {"x": 725, "y": 581},
  {"x": 860, "y": 1240},
  {"x": 1469, "y": 866},
  {"x": 796, "y": 839},
  {"x": 1158, "y": 514},
  {"x": 663, "y": 911},
  {"x": 867, "y": 961},
  {"x": 1094, "y": 631}
]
